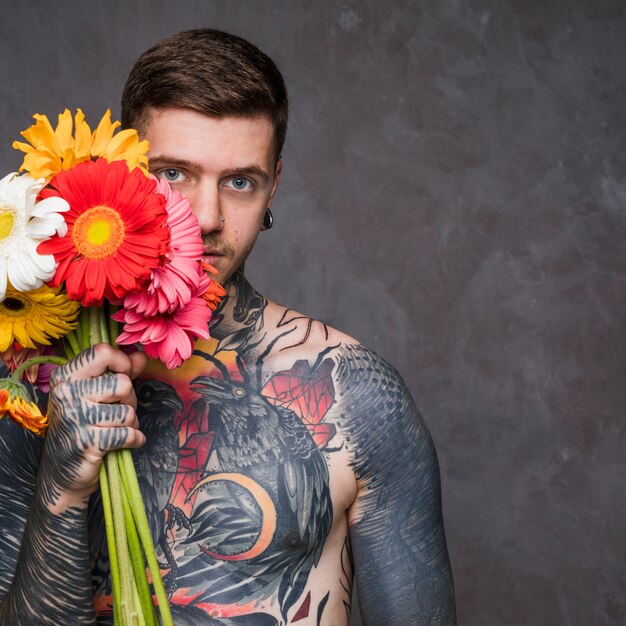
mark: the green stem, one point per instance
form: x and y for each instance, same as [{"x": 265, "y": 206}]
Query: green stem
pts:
[
  {"x": 36, "y": 360},
  {"x": 136, "y": 556},
  {"x": 145, "y": 536},
  {"x": 94, "y": 325},
  {"x": 128, "y": 523},
  {"x": 110, "y": 531},
  {"x": 127, "y": 604},
  {"x": 114, "y": 326},
  {"x": 69, "y": 351},
  {"x": 104, "y": 327},
  {"x": 140, "y": 620},
  {"x": 72, "y": 339},
  {"x": 83, "y": 325}
]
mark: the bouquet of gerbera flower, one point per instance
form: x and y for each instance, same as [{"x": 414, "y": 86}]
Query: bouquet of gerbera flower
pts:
[{"x": 90, "y": 241}]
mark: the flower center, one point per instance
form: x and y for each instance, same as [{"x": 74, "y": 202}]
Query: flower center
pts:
[
  {"x": 6, "y": 223},
  {"x": 14, "y": 306},
  {"x": 98, "y": 232}
]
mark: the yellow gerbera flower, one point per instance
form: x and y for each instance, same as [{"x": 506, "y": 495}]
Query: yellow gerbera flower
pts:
[
  {"x": 35, "y": 317},
  {"x": 123, "y": 146},
  {"x": 52, "y": 150},
  {"x": 15, "y": 402}
]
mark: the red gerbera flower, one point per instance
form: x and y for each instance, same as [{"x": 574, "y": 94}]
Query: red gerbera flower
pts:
[{"x": 115, "y": 230}]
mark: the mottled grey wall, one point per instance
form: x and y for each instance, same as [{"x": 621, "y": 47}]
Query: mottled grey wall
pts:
[{"x": 454, "y": 195}]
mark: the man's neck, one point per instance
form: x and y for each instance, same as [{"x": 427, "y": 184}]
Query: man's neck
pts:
[{"x": 241, "y": 308}]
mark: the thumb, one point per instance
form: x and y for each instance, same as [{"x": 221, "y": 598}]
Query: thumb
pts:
[{"x": 138, "y": 362}]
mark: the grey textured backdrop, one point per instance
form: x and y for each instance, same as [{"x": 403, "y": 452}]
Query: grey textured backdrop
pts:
[{"x": 454, "y": 196}]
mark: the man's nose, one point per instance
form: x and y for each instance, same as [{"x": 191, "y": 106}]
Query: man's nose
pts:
[{"x": 205, "y": 205}]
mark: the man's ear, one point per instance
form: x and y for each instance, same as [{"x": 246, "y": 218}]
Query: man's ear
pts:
[{"x": 268, "y": 219}]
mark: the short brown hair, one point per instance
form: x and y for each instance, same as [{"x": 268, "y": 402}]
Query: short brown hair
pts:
[{"x": 210, "y": 72}]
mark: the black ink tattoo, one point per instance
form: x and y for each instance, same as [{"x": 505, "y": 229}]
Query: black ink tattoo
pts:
[
  {"x": 69, "y": 433},
  {"x": 290, "y": 316},
  {"x": 347, "y": 569},
  {"x": 320, "y": 608},
  {"x": 273, "y": 451},
  {"x": 400, "y": 553},
  {"x": 47, "y": 554},
  {"x": 44, "y": 569},
  {"x": 53, "y": 580},
  {"x": 20, "y": 455},
  {"x": 157, "y": 464}
]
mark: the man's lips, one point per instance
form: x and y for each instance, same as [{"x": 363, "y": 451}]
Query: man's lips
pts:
[
  {"x": 211, "y": 252},
  {"x": 211, "y": 255},
  {"x": 215, "y": 251}
]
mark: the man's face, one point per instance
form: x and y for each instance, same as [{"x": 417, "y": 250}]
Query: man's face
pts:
[{"x": 226, "y": 168}]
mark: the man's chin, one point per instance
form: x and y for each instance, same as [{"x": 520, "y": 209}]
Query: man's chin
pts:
[
  {"x": 223, "y": 274},
  {"x": 226, "y": 269}
]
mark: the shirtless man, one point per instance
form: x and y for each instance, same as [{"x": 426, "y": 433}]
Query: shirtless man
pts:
[{"x": 280, "y": 460}]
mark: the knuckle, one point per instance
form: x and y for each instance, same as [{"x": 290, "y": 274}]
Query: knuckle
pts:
[
  {"x": 57, "y": 376},
  {"x": 85, "y": 387},
  {"x": 131, "y": 416},
  {"x": 58, "y": 391},
  {"x": 102, "y": 350}
]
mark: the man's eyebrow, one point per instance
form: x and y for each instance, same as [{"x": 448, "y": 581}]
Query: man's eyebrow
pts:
[
  {"x": 248, "y": 169},
  {"x": 163, "y": 160}
]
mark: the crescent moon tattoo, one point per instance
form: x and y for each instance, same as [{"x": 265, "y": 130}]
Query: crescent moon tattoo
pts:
[{"x": 265, "y": 504}]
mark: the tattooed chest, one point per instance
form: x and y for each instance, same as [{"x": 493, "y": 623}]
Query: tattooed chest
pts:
[{"x": 237, "y": 496}]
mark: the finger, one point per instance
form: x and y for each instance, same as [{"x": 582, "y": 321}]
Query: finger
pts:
[
  {"x": 116, "y": 438},
  {"x": 92, "y": 362},
  {"x": 112, "y": 415},
  {"x": 108, "y": 388}
]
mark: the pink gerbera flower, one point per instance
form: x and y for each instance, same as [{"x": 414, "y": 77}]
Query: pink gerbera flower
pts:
[
  {"x": 169, "y": 337},
  {"x": 173, "y": 282}
]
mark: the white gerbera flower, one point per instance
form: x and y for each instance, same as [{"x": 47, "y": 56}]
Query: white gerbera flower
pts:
[{"x": 24, "y": 224}]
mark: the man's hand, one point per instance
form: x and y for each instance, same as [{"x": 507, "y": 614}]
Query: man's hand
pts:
[
  {"x": 45, "y": 568},
  {"x": 91, "y": 411}
]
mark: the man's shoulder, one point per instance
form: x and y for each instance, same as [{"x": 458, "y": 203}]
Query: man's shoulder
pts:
[
  {"x": 358, "y": 372},
  {"x": 293, "y": 329},
  {"x": 296, "y": 329}
]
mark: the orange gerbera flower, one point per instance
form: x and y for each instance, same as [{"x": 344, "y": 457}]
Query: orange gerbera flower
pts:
[
  {"x": 215, "y": 292},
  {"x": 52, "y": 150},
  {"x": 116, "y": 230},
  {"x": 16, "y": 403}
]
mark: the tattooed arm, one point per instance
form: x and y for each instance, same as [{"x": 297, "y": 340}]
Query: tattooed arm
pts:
[
  {"x": 401, "y": 561},
  {"x": 44, "y": 553}
]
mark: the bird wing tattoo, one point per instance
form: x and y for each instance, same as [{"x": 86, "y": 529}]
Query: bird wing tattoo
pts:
[{"x": 269, "y": 467}]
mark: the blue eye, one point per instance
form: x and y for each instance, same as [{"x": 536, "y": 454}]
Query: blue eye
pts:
[
  {"x": 240, "y": 183},
  {"x": 171, "y": 175}
]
